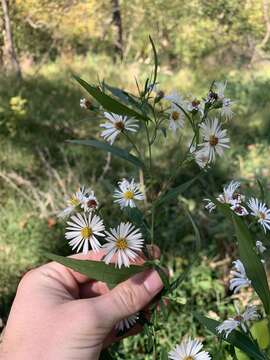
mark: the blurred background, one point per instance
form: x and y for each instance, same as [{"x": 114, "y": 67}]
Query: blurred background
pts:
[{"x": 42, "y": 42}]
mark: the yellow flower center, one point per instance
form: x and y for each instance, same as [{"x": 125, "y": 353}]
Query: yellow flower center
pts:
[
  {"x": 121, "y": 243},
  {"x": 175, "y": 115},
  {"x": 213, "y": 141},
  {"x": 128, "y": 195},
  {"x": 189, "y": 358},
  {"x": 86, "y": 232},
  {"x": 119, "y": 125},
  {"x": 74, "y": 201}
]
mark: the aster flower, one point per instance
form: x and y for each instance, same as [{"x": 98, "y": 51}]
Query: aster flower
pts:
[
  {"x": 127, "y": 323},
  {"x": 229, "y": 195},
  {"x": 189, "y": 350},
  {"x": 260, "y": 247},
  {"x": 116, "y": 125},
  {"x": 177, "y": 116},
  {"x": 226, "y": 109},
  {"x": 239, "y": 320},
  {"x": 201, "y": 157},
  {"x": 220, "y": 88},
  {"x": 215, "y": 139},
  {"x": 83, "y": 230},
  {"x": 75, "y": 202},
  {"x": 194, "y": 105},
  {"x": 239, "y": 210},
  {"x": 129, "y": 191},
  {"x": 238, "y": 277},
  {"x": 210, "y": 206},
  {"x": 124, "y": 242},
  {"x": 261, "y": 212}
]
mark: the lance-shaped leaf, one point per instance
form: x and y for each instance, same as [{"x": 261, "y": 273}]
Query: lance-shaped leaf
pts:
[
  {"x": 108, "y": 102},
  {"x": 121, "y": 153},
  {"x": 172, "y": 193},
  {"x": 98, "y": 270},
  {"x": 235, "y": 338},
  {"x": 252, "y": 263}
]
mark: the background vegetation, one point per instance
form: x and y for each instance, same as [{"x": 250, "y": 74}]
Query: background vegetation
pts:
[{"x": 198, "y": 41}]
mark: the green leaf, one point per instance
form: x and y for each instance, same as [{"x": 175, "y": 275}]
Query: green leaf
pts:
[
  {"x": 172, "y": 193},
  {"x": 108, "y": 102},
  {"x": 121, "y": 153},
  {"x": 98, "y": 270},
  {"x": 195, "y": 228},
  {"x": 260, "y": 332},
  {"x": 252, "y": 263},
  {"x": 235, "y": 338},
  {"x": 163, "y": 354},
  {"x": 155, "y": 60}
]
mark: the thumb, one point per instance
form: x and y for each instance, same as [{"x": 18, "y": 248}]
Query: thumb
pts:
[{"x": 128, "y": 297}]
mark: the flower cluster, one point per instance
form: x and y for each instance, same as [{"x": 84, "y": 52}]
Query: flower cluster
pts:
[
  {"x": 254, "y": 207},
  {"x": 86, "y": 230},
  {"x": 210, "y": 138}
]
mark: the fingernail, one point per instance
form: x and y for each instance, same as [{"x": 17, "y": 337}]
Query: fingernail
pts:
[{"x": 153, "y": 283}]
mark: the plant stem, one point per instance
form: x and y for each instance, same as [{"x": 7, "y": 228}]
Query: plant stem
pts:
[{"x": 133, "y": 144}]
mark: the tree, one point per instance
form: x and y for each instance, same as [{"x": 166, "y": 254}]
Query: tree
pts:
[
  {"x": 117, "y": 21},
  {"x": 9, "y": 53}
]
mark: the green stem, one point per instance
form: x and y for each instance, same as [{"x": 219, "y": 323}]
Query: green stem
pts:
[{"x": 133, "y": 144}]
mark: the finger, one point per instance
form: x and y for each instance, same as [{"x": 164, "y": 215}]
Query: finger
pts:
[{"x": 126, "y": 298}]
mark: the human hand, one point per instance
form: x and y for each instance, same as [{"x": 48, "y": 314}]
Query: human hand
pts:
[{"x": 60, "y": 314}]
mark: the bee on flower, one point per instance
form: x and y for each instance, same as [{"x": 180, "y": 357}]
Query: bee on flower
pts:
[
  {"x": 82, "y": 232},
  {"x": 116, "y": 125},
  {"x": 189, "y": 350},
  {"x": 123, "y": 243},
  {"x": 241, "y": 320},
  {"x": 128, "y": 192},
  {"x": 261, "y": 212},
  {"x": 215, "y": 139},
  {"x": 239, "y": 277}
]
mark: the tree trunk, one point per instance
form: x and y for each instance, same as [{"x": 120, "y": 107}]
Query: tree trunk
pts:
[
  {"x": 10, "y": 58},
  {"x": 117, "y": 21}
]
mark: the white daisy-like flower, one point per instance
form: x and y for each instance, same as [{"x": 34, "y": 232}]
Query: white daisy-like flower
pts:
[
  {"x": 239, "y": 210},
  {"x": 127, "y": 323},
  {"x": 83, "y": 230},
  {"x": 89, "y": 202},
  {"x": 75, "y": 201},
  {"x": 220, "y": 88},
  {"x": 174, "y": 97},
  {"x": 189, "y": 350},
  {"x": 226, "y": 109},
  {"x": 128, "y": 193},
  {"x": 238, "y": 277},
  {"x": 260, "y": 247},
  {"x": 177, "y": 116},
  {"x": 124, "y": 242},
  {"x": 231, "y": 324},
  {"x": 195, "y": 105},
  {"x": 228, "y": 326},
  {"x": 229, "y": 193},
  {"x": 202, "y": 158},
  {"x": 116, "y": 125},
  {"x": 260, "y": 211},
  {"x": 215, "y": 138},
  {"x": 85, "y": 104}
]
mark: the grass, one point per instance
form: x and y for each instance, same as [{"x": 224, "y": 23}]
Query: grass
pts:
[{"x": 38, "y": 168}]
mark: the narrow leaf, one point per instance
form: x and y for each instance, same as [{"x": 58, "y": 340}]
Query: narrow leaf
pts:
[
  {"x": 108, "y": 102},
  {"x": 155, "y": 60},
  {"x": 121, "y": 153},
  {"x": 252, "y": 263},
  {"x": 172, "y": 193},
  {"x": 236, "y": 338},
  {"x": 98, "y": 270}
]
